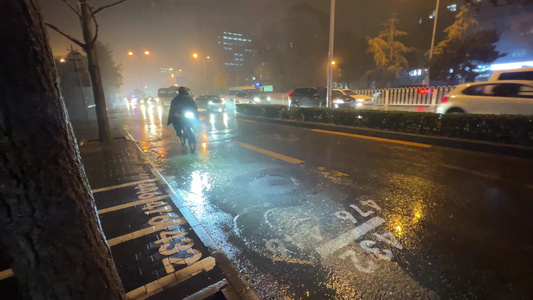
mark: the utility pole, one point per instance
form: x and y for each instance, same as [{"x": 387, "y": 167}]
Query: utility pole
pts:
[
  {"x": 433, "y": 38},
  {"x": 330, "y": 54}
]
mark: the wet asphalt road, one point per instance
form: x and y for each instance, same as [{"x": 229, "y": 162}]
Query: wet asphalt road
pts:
[{"x": 338, "y": 217}]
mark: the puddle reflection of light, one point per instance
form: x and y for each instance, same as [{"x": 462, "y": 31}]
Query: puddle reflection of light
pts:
[
  {"x": 150, "y": 112},
  {"x": 143, "y": 110},
  {"x": 135, "y": 111},
  {"x": 199, "y": 184},
  {"x": 225, "y": 120},
  {"x": 212, "y": 121},
  {"x": 128, "y": 105},
  {"x": 160, "y": 113}
]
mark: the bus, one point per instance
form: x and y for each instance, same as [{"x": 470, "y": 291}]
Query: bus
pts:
[{"x": 166, "y": 95}]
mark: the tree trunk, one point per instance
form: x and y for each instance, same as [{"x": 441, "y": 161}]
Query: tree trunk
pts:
[
  {"x": 94, "y": 71},
  {"x": 49, "y": 226}
]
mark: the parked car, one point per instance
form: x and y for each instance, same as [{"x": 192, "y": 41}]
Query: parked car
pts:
[
  {"x": 210, "y": 103},
  {"x": 346, "y": 98},
  {"x": 230, "y": 98},
  {"x": 308, "y": 97},
  {"x": 251, "y": 97},
  {"x": 490, "y": 97},
  {"x": 516, "y": 74}
]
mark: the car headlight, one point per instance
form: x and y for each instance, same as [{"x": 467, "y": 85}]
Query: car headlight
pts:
[
  {"x": 210, "y": 102},
  {"x": 359, "y": 104},
  {"x": 142, "y": 101},
  {"x": 338, "y": 101},
  {"x": 223, "y": 102},
  {"x": 360, "y": 100},
  {"x": 256, "y": 99},
  {"x": 189, "y": 115},
  {"x": 269, "y": 99},
  {"x": 156, "y": 99}
]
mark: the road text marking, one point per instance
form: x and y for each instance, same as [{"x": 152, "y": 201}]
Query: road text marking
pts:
[
  {"x": 145, "y": 231},
  {"x": 122, "y": 185},
  {"x": 131, "y": 204},
  {"x": 374, "y": 138},
  {"x": 349, "y": 237},
  {"x": 270, "y": 153}
]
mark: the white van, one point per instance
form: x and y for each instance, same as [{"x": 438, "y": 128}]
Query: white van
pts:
[{"x": 516, "y": 74}]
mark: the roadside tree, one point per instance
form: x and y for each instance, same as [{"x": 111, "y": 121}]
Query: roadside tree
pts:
[
  {"x": 87, "y": 16},
  {"x": 388, "y": 52},
  {"x": 49, "y": 226},
  {"x": 466, "y": 46}
]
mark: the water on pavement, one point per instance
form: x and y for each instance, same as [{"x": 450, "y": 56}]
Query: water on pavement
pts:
[{"x": 355, "y": 219}]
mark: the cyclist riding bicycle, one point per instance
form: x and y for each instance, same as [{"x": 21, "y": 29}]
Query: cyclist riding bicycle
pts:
[{"x": 182, "y": 103}]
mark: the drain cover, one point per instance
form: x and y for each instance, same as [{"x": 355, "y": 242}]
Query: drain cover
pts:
[{"x": 272, "y": 184}]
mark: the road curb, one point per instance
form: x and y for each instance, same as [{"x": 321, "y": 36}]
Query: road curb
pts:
[
  {"x": 479, "y": 146},
  {"x": 236, "y": 284}
]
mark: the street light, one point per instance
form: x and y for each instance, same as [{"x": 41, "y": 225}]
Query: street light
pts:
[
  {"x": 333, "y": 62},
  {"x": 146, "y": 53},
  {"x": 195, "y": 55},
  {"x": 62, "y": 60},
  {"x": 433, "y": 38},
  {"x": 330, "y": 54}
]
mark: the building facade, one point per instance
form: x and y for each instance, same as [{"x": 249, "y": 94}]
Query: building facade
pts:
[{"x": 237, "y": 57}]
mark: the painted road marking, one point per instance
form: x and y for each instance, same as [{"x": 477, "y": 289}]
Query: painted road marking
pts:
[
  {"x": 349, "y": 237},
  {"x": 485, "y": 175},
  {"x": 243, "y": 120},
  {"x": 5, "y": 274},
  {"x": 154, "y": 287},
  {"x": 145, "y": 231},
  {"x": 109, "y": 188},
  {"x": 270, "y": 153},
  {"x": 374, "y": 138},
  {"x": 131, "y": 204}
]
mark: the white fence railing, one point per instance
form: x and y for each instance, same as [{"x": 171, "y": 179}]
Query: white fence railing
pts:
[{"x": 411, "y": 96}]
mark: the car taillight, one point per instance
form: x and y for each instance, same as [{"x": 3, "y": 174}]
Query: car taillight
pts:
[
  {"x": 290, "y": 94},
  {"x": 444, "y": 100}
]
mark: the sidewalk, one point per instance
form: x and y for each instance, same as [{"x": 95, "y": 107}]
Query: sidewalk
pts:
[{"x": 159, "y": 248}]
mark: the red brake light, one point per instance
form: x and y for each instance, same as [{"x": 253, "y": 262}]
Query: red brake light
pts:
[
  {"x": 422, "y": 91},
  {"x": 444, "y": 100},
  {"x": 290, "y": 94}
]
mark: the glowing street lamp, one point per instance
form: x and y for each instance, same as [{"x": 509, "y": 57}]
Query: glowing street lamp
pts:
[
  {"x": 130, "y": 53},
  {"x": 62, "y": 60},
  {"x": 333, "y": 62},
  {"x": 195, "y": 55},
  {"x": 146, "y": 52}
]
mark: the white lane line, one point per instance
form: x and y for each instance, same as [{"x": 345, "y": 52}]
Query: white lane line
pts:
[
  {"x": 484, "y": 175},
  {"x": 154, "y": 287},
  {"x": 109, "y": 188},
  {"x": 131, "y": 204},
  {"x": 349, "y": 237},
  {"x": 145, "y": 231},
  {"x": 5, "y": 274}
]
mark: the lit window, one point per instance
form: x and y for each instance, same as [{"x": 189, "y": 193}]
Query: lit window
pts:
[
  {"x": 432, "y": 15},
  {"x": 452, "y": 7}
]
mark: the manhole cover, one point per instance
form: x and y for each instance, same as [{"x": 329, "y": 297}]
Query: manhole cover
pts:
[{"x": 274, "y": 184}]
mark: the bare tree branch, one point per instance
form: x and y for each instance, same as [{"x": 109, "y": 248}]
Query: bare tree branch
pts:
[
  {"x": 72, "y": 7},
  {"x": 95, "y": 27},
  {"x": 75, "y": 41},
  {"x": 107, "y": 6}
]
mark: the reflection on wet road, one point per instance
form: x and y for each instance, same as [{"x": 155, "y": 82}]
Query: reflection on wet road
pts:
[{"x": 315, "y": 215}]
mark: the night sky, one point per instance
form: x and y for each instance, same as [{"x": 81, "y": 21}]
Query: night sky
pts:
[{"x": 173, "y": 29}]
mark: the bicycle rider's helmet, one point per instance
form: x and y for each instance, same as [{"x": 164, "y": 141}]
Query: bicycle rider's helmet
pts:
[{"x": 184, "y": 91}]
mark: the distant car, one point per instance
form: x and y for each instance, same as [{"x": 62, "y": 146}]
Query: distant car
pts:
[
  {"x": 346, "y": 98},
  {"x": 516, "y": 74},
  {"x": 210, "y": 103},
  {"x": 251, "y": 97},
  {"x": 490, "y": 97},
  {"x": 308, "y": 97}
]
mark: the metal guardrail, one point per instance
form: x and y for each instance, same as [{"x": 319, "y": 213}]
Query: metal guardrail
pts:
[{"x": 411, "y": 96}]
